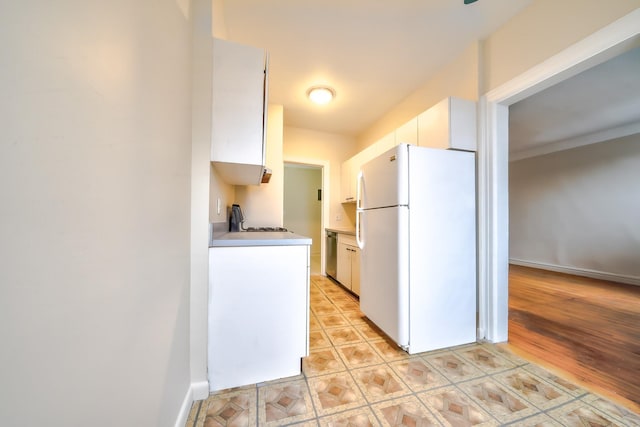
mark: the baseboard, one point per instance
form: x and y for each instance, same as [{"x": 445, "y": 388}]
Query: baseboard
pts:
[
  {"x": 197, "y": 391},
  {"x": 584, "y": 272},
  {"x": 181, "y": 421},
  {"x": 200, "y": 390}
]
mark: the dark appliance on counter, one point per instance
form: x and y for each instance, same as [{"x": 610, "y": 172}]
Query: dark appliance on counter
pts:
[{"x": 236, "y": 219}]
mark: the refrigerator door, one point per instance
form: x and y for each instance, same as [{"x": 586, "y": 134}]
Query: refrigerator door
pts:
[
  {"x": 384, "y": 270},
  {"x": 385, "y": 180},
  {"x": 442, "y": 249}
]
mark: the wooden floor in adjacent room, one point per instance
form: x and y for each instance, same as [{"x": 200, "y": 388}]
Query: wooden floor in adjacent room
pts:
[{"x": 586, "y": 329}]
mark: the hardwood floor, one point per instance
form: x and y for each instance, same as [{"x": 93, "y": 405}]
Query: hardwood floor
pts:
[{"x": 586, "y": 328}]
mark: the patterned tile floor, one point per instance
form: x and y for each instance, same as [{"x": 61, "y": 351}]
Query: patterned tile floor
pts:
[{"x": 354, "y": 377}]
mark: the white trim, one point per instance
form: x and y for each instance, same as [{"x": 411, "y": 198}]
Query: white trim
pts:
[
  {"x": 594, "y": 49},
  {"x": 493, "y": 165},
  {"x": 326, "y": 196},
  {"x": 577, "y": 271},
  {"x": 185, "y": 408},
  {"x": 196, "y": 391},
  {"x": 200, "y": 390}
]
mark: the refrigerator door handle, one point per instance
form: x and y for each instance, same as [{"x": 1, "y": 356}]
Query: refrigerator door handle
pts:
[
  {"x": 359, "y": 190},
  {"x": 359, "y": 241}
]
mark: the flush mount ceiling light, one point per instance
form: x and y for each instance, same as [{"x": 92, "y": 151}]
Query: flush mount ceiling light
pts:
[{"x": 321, "y": 94}]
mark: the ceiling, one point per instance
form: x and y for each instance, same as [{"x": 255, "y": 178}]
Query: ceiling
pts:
[
  {"x": 374, "y": 53},
  {"x": 599, "y": 104}
]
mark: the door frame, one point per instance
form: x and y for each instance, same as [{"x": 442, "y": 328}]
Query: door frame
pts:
[
  {"x": 324, "y": 166},
  {"x": 493, "y": 161}
]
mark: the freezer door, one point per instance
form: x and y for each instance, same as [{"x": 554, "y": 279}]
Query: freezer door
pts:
[
  {"x": 385, "y": 180},
  {"x": 384, "y": 270}
]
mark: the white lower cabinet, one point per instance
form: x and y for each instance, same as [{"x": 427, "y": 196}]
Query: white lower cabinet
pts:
[
  {"x": 258, "y": 313},
  {"x": 348, "y": 263}
]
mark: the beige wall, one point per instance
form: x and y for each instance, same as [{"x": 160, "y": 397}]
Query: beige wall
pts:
[
  {"x": 458, "y": 78},
  {"x": 95, "y": 186},
  {"x": 542, "y": 30},
  {"x": 307, "y": 145},
  {"x": 225, "y": 192}
]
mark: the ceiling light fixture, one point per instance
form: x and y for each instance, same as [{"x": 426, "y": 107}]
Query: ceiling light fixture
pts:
[{"x": 321, "y": 94}]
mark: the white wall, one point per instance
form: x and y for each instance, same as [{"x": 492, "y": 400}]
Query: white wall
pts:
[
  {"x": 578, "y": 208},
  {"x": 217, "y": 187},
  {"x": 302, "y": 209},
  {"x": 94, "y": 182},
  {"x": 308, "y": 145},
  {"x": 202, "y": 62}
]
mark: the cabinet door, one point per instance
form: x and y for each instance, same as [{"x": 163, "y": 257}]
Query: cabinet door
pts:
[
  {"x": 347, "y": 186},
  {"x": 451, "y": 123},
  {"x": 355, "y": 270},
  {"x": 433, "y": 126},
  {"x": 463, "y": 124},
  {"x": 408, "y": 132},
  {"x": 344, "y": 265},
  {"x": 384, "y": 144},
  {"x": 238, "y": 113},
  {"x": 258, "y": 316}
]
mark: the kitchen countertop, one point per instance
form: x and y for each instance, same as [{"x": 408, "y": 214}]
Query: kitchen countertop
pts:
[
  {"x": 258, "y": 238},
  {"x": 350, "y": 231}
]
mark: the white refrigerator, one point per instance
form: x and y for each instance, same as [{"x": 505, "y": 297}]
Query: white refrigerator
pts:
[{"x": 416, "y": 229}]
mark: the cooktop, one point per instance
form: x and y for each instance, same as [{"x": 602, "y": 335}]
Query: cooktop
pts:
[{"x": 281, "y": 229}]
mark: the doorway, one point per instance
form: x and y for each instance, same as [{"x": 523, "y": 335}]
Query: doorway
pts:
[
  {"x": 493, "y": 192},
  {"x": 302, "y": 213}
]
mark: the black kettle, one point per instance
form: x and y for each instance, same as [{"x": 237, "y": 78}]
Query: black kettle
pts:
[{"x": 236, "y": 219}]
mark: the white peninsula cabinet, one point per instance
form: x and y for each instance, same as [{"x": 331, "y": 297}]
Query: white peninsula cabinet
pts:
[
  {"x": 239, "y": 113},
  {"x": 258, "y": 310},
  {"x": 348, "y": 263},
  {"x": 450, "y": 124}
]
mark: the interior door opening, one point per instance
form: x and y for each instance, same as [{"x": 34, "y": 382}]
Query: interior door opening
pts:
[{"x": 303, "y": 207}]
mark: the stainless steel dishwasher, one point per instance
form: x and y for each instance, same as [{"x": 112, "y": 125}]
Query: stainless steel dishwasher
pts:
[{"x": 331, "y": 254}]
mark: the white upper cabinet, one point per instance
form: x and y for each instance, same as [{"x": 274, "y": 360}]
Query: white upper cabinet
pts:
[
  {"x": 239, "y": 112},
  {"x": 451, "y": 123},
  {"x": 347, "y": 182},
  {"x": 385, "y": 143},
  {"x": 351, "y": 167},
  {"x": 407, "y": 133}
]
